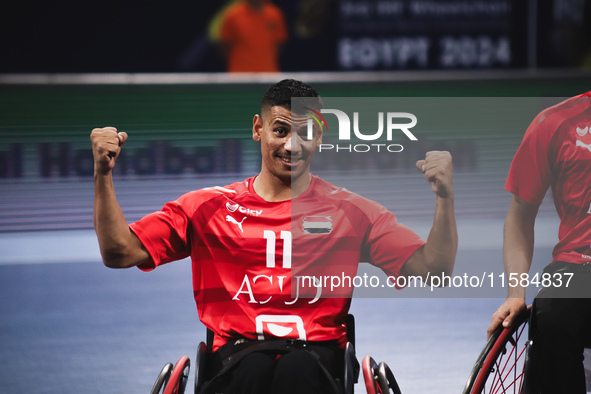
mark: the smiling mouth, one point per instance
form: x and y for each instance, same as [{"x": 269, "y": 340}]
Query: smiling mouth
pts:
[{"x": 291, "y": 160}]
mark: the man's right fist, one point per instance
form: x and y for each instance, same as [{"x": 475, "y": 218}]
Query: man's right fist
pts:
[{"x": 106, "y": 147}]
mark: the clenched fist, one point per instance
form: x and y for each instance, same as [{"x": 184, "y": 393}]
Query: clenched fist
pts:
[
  {"x": 438, "y": 171},
  {"x": 106, "y": 147}
]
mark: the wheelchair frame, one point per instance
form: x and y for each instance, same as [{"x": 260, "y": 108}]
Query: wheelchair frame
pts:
[{"x": 500, "y": 368}]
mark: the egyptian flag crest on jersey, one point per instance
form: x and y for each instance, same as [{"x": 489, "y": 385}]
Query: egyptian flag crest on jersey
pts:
[{"x": 317, "y": 224}]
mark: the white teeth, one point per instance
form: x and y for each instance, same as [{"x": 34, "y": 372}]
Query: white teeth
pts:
[{"x": 289, "y": 159}]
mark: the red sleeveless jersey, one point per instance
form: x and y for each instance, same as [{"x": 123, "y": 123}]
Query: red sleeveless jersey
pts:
[
  {"x": 268, "y": 269},
  {"x": 556, "y": 152}
]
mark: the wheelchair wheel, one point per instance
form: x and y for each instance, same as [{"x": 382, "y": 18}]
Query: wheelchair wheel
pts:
[
  {"x": 200, "y": 366},
  {"x": 178, "y": 377},
  {"x": 351, "y": 369},
  {"x": 386, "y": 380},
  {"x": 162, "y": 378},
  {"x": 370, "y": 369},
  {"x": 379, "y": 379},
  {"x": 500, "y": 367}
]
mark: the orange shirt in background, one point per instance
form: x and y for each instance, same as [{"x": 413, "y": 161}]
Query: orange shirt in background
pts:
[{"x": 253, "y": 37}]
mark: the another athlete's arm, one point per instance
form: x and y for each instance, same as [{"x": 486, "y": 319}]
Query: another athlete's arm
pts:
[
  {"x": 438, "y": 255},
  {"x": 119, "y": 247},
  {"x": 518, "y": 249}
]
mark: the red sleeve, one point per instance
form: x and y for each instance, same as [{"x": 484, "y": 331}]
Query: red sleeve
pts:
[
  {"x": 164, "y": 234},
  {"x": 530, "y": 172},
  {"x": 391, "y": 243}
]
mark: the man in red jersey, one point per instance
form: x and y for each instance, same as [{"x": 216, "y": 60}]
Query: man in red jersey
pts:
[
  {"x": 555, "y": 152},
  {"x": 250, "y": 249}
]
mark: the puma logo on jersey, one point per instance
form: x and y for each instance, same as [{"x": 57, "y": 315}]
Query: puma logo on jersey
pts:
[
  {"x": 236, "y": 222},
  {"x": 584, "y": 145},
  {"x": 247, "y": 211}
]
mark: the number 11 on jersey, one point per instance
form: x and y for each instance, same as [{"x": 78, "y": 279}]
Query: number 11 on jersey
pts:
[{"x": 271, "y": 238}]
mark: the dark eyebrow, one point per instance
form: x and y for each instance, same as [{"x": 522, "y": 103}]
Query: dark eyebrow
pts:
[{"x": 282, "y": 123}]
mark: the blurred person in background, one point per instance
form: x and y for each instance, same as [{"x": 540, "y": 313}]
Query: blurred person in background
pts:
[{"x": 251, "y": 33}]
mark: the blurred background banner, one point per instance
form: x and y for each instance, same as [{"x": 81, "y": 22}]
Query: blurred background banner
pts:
[
  {"x": 390, "y": 35},
  {"x": 323, "y": 35}
]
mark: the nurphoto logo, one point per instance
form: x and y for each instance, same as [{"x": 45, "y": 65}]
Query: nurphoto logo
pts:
[{"x": 395, "y": 122}]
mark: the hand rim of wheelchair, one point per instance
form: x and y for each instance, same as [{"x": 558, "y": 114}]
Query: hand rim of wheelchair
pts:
[
  {"x": 386, "y": 379},
  {"x": 162, "y": 378},
  {"x": 178, "y": 377},
  {"x": 496, "y": 345},
  {"x": 378, "y": 378}
]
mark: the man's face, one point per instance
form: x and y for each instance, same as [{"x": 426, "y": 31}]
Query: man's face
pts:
[{"x": 286, "y": 151}]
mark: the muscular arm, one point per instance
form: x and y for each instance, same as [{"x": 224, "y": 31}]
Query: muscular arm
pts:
[
  {"x": 119, "y": 247},
  {"x": 518, "y": 249},
  {"x": 438, "y": 254}
]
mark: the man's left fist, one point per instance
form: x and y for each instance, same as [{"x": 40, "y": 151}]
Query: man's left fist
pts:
[{"x": 438, "y": 171}]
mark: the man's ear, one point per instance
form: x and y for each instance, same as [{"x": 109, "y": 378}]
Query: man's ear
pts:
[{"x": 257, "y": 127}]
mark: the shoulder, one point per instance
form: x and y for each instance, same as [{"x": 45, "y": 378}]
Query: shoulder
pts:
[
  {"x": 552, "y": 117},
  {"x": 348, "y": 199},
  {"x": 199, "y": 197},
  {"x": 272, "y": 9},
  {"x": 234, "y": 10}
]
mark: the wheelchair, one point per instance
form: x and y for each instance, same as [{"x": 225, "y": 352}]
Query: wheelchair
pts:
[
  {"x": 378, "y": 378},
  {"x": 173, "y": 378},
  {"x": 502, "y": 365}
]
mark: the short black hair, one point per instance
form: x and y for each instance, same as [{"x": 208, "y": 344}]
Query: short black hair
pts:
[{"x": 281, "y": 93}]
